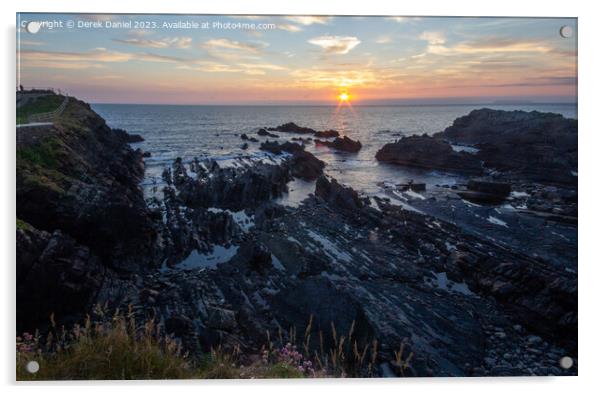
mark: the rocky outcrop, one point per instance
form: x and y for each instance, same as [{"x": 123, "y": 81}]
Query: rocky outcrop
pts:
[
  {"x": 306, "y": 166},
  {"x": 232, "y": 188},
  {"x": 463, "y": 303},
  {"x": 292, "y": 128},
  {"x": 55, "y": 276},
  {"x": 396, "y": 276},
  {"x": 130, "y": 138},
  {"x": 482, "y": 191},
  {"x": 337, "y": 194},
  {"x": 344, "y": 144},
  {"x": 429, "y": 153},
  {"x": 245, "y": 137},
  {"x": 296, "y": 129},
  {"x": 301, "y": 163},
  {"x": 533, "y": 146},
  {"x": 277, "y": 148},
  {"x": 265, "y": 133},
  {"x": 82, "y": 178},
  {"x": 326, "y": 134}
]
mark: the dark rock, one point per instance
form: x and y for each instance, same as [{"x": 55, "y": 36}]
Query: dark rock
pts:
[
  {"x": 88, "y": 187},
  {"x": 244, "y": 136},
  {"x": 535, "y": 146},
  {"x": 234, "y": 188},
  {"x": 430, "y": 153},
  {"x": 256, "y": 256},
  {"x": 220, "y": 318},
  {"x": 480, "y": 198},
  {"x": 55, "y": 275},
  {"x": 486, "y": 192},
  {"x": 302, "y": 164},
  {"x": 305, "y": 165},
  {"x": 501, "y": 189},
  {"x": 345, "y": 144},
  {"x": 293, "y": 128},
  {"x": 265, "y": 133},
  {"x": 277, "y": 148},
  {"x": 244, "y": 146},
  {"x": 301, "y": 139},
  {"x": 129, "y": 138},
  {"x": 416, "y": 187},
  {"x": 337, "y": 195},
  {"x": 326, "y": 134}
]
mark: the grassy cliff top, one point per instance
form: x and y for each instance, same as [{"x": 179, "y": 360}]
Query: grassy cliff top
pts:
[{"x": 38, "y": 105}]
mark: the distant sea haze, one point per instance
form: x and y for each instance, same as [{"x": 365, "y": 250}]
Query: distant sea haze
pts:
[{"x": 202, "y": 131}]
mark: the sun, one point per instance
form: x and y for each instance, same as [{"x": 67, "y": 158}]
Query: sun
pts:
[{"x": 343, "y": 97}]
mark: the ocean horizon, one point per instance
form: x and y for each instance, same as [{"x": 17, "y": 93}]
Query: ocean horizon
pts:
[{"x": 190, "y": 131}]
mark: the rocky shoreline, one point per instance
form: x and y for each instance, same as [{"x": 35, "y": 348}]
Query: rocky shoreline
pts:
[{"x": 217, "y": 260}]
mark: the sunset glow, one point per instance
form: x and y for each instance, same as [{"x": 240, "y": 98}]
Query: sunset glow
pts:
[{"x": 302, "y": 59}]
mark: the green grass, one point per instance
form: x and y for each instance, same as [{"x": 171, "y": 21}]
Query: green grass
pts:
[
  {"x": 118, "y": 348},
  {"x": 39, "y": 164},
  {"x": 40, "y": 105},
  {"x": 43, "y": 154},
  {"x": 23, "y": 225}
]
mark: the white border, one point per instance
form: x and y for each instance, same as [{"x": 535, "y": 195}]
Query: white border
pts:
[{"x": 590, "y": 144}]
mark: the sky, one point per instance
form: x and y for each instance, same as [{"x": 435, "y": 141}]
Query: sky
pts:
[{"x": 238, "y": 60}]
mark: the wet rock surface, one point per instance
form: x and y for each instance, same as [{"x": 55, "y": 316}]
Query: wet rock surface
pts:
[
  {"x": 230, "y": 188},
  {"x": 430, "y": 153},
  {"x": 229, "y": 263},
  {"x": 326, "y": 134},
  {"x": 486, "y": 192},
  {"x": 55, "y": 275},
  {"x": 536, "y": 146},
  {"x": 278, "y": 148},
  {"x": 344, "y": 144},
  {"x": 337, "y": 195},
  {"x": 454, "y": 298},
  {"x": 292, "y": 128},
  {"x": 265, "y": 133}
]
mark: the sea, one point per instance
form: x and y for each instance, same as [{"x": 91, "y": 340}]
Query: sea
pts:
[{"x": 212, "y": 131}]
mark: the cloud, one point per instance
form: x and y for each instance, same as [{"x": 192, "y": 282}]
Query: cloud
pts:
[
  {"x": 335, "y": 44},
  {"x": 177, "y": 42},
  {"x": 244, "y": 68},
  {"x": 533, "y": 82},
  {"x": 309, "y": 20},
  {"x": 501, "y": 46},
  {"x": 316, "y": 77},
  {"x": 224, "y": 43},
  {"x": 483, "y": 47},
  {"x": 433, "y": 37},
  {"x": 224, "y": 49},
  {"x": 152, "y": 57},
  {"x": 96, "y": 58},
  {"x": 289, "y": 27},
  {"x": 95, "y": 55}
]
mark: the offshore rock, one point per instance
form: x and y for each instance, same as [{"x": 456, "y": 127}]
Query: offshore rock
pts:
[
  {"x": 345, "y": 144},
  {"x": 429, "y": 153},
  {"x": 534, "y": 146}
]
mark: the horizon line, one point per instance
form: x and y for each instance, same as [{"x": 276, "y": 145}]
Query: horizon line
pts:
[{"x": 509, "y": 102}]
